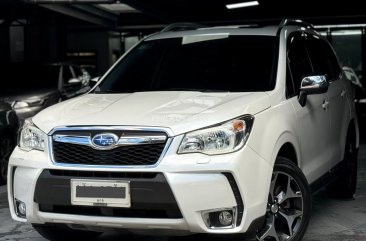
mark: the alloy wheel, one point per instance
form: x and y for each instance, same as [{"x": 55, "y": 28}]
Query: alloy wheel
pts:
[{"x": 284, "y": 209}]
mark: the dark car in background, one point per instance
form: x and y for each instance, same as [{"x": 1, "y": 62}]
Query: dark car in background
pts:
[
  {"x": 29, "y": 88},
  {"x": 360, "y": 91},
  {"x": 360, "y": 97},
  {"x": 8, "y": 137}
]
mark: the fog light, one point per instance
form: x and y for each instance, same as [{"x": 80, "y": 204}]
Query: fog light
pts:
[
  {"x": 21, "y": 209},
  {"x": 218, "y": 219},
  {"x": 226, "y": 218}
]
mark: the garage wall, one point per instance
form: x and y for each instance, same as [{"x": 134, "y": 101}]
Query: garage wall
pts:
[
  {"x": 114, "y": 47},
  {"x": 97, "y": 42}
]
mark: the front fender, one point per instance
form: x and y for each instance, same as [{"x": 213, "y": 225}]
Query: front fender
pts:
[{"x": 272, "y": 129}]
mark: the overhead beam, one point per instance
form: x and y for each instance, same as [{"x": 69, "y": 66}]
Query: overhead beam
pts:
[
  {"x": 70, "y": 1},
  {"x": 142, "y": 27},
  {"x": 152, "y": 11},
  {"x": 87, "y": 13}
]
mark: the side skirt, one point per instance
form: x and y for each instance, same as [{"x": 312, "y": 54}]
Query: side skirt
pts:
[{"x": 328, "y": 178}]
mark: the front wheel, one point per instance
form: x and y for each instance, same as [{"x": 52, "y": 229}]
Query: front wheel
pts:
[
  {"x": 289, "y": 204},
  {"x": 60, "y": 233},
  {"x": 6, "y": 148}
]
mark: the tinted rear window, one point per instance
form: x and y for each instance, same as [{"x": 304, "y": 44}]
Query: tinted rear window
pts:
[{"x": 233, "y": 63}]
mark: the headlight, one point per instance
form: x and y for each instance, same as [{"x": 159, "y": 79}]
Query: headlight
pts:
[
  {"x": 31, "y": 102},
  {"x": 32, "y": 138},
  {"x": 224, "y": 138},
  {"x": 20, "y": 104}
]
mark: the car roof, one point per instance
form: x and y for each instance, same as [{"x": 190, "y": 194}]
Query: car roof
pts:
[{"x": 230, "y": 30}]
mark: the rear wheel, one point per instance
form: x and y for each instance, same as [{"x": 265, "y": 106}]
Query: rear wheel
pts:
[
  {"x": 60, "y": 233},
  {"x": 289, "y": 204},
  {"x": 345, "y": 185}
]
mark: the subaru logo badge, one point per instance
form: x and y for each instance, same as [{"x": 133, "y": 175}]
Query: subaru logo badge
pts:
[{"x": 105, "y": 140}]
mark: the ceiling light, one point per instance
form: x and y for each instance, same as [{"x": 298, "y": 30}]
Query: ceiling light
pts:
[{"x": 242, "y": 5}]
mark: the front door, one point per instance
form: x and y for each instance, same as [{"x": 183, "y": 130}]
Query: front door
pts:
[{"x": 313, "y": 120}]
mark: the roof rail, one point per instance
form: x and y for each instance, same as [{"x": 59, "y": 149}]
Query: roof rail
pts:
[
  {"x": 182, "y": 26},
  {"x": 295, "y": 22}
]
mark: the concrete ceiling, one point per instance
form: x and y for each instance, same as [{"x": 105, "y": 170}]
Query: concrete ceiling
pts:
[{"x": 154, "y": 14}]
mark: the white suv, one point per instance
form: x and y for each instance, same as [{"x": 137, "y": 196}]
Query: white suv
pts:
[{"x": 225, "y": 130}]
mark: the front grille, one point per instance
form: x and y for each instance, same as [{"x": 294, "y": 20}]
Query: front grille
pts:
[
  {"x": 77, "y": 173},
  {"x": 169, "y": 212},
  {"x": 124, "y": 155}
]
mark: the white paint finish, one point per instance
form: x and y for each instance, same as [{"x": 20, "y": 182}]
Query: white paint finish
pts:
[
  {"x": 179, "y": 111},
  {"x": 198, "y": 192},
  {"x": 196, "y": 179},
  {"x": 24, "y": 187},
  {"x": 313, "y": 132},
  {"x": 129, "y": 223},
  {"x": 339, "y": 115},
  {"x": 197, "y": 187}
]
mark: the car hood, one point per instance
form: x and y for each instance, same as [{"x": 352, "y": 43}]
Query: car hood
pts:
[{"x": 180, "y": 111}]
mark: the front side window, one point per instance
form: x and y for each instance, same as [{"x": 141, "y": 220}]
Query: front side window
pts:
[
  {"x": 323, "y": 58},
  {"x": 66, "y": 74},
  {"x": 298, "y": 61},
  {"x": 231, "y": 63}
]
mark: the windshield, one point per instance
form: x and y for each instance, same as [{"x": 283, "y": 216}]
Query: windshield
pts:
[{"x": 231, "y": 63}]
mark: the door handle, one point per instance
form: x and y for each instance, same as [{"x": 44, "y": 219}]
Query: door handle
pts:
[
  {"x": 325, "y": 104},
  {"x": 343, "y": 93}
]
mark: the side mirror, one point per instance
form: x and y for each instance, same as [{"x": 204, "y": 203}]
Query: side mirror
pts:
[{"x": 311, "y": 85}]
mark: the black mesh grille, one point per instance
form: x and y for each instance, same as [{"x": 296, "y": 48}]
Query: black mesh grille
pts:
[
  {"x": 170, "y": 211},
  {"x": 76, "y": 173},
  {"x": 151, "y": 195},
  {"x": 147, "y": 154}
]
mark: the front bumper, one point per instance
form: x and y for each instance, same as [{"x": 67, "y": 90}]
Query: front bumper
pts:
[{"x": 197, "y": 183}]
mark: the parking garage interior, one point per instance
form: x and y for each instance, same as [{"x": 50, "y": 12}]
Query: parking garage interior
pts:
[{"x": 82, "y": 39}]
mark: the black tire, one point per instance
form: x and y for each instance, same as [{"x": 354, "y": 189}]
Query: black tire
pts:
[
  {"x": 6, "y": 147},
  {"x": 295, "y": 203},
  {"x": 345, "y": 185},
  {"x": 55, "y": 232}
]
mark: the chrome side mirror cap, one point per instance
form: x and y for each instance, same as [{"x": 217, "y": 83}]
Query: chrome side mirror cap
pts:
[
  {"x": 316, "y": 84},
  {"x": 311, "y": 85}
]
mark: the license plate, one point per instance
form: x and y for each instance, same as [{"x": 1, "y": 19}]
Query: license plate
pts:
[{"x": 105, "y": 193}]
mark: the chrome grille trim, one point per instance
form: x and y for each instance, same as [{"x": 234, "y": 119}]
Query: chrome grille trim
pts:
[
  {"x": 169, "y": 140},
  {"x": 168, "y": 131},
  {"x": 77, "y": 140},
  {"x": 123, "y": 141},
  {"x": 141, "y": 140}
]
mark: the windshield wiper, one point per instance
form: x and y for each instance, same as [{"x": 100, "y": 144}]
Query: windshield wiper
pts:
[
  {"x": 111, "y": 92},
  {"x": 170, "y": 89},
  {"x": 188, "y": 89}
]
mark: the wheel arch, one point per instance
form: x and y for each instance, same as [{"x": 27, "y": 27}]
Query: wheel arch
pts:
[
  {"x": 288, "y": 147},
  {"x": 288, "y": 151},
  {"x": 353, "y": 125}
]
